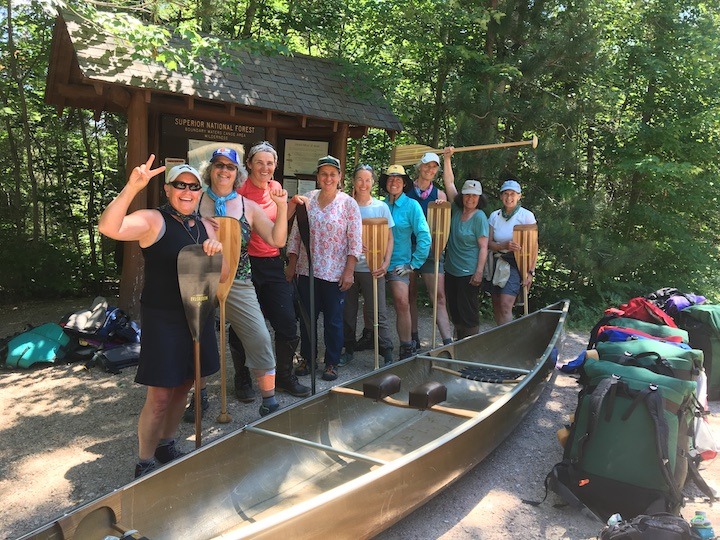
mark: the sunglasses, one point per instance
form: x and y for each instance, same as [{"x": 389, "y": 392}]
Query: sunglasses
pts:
[
  {"x": 227, "y": 166},
  {"x": 192, "y": 186}
]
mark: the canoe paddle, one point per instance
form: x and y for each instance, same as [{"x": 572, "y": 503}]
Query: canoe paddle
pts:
[
  {"x": 198, "y": 276},
  {"x": 410, "y": 154},
  {"x": 439, "y": 221},
  {"x": 230, "y": 237},
  {"x": 374, "y": 238}
]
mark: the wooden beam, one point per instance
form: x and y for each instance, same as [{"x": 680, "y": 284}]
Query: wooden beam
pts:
[
  {"x": 269, "y": 117},
  {"x": 99, "y": 87},
  {"x": 190, "y": 103},
  {"x": 303, "y": 123}
]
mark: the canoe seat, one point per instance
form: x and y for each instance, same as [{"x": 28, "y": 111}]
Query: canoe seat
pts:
[
  {"x": 381, "y": 386},
  {"x": 427, "y": 394}
]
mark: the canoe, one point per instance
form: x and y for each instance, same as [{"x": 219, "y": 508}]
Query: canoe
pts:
[{"x": 348, "y": 462}]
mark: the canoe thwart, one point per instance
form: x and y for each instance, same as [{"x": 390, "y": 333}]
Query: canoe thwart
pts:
[
  {"x": 381, "y": 386},
  {"x": 496, "y": 376},
  {"x": 521, "y": 371},
  {"x": 427, "y": 394}
]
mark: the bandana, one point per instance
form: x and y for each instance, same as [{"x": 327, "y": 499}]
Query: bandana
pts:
[
  {"x": 168, "y": 209},
  {"x": 423, "y": 194},
  {"x": 511, "y": 214},
  {"x": 220, "y": 201}
]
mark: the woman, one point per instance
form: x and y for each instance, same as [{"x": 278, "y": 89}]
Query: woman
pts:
[
  {"x": 465, "y": 258},
  {"x": 424, "y": 191},
  {"x": 406, "y": 257},
  {"x": 504, "y": 291},
  {"x": 335, "y": 247},
  {"x": 166, "y": 358},
  {"x": 222, "y": 176},
  {"x": 363, "y": 180},
  {"x": 274, "y": 293}
]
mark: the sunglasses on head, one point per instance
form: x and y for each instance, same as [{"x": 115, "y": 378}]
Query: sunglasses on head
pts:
[
  {"x": 192, "y": 186},
  {"x": 227, "y": 166}
]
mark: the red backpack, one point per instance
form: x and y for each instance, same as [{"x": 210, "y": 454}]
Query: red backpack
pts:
[{"x": 643, "y": 310}]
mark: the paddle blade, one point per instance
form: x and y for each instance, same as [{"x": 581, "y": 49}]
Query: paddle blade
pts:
[
  {"x": 230, "y": 237},
  {"x": 527, "y": 237},
  {"x": 198, "y": 276},
  {"x": 438, "y": 216},
  {"x": 409, "y": 154},
  {"x": 374, "y": 239}
]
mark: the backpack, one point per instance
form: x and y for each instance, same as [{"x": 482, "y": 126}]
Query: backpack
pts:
[
  {"x": 44, "y": 344},
  {"x": 661, "y": 331},
  {"x": 683, "y": 363},
  {"x": 102, "y": 326},
  {"x": 662, "y": 526},
  {"x": 672, "y": 301},
  {"x": 643, "y": 310},
  {"x": 628, "y": 448},
  {"x": 115, "y": 359}
]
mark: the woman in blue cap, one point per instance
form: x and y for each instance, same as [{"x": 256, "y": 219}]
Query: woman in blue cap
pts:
[{"x": 506, "y": 279}]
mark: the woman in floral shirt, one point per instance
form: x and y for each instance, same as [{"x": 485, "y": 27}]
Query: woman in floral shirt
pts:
[{"x": 335, "y": 246}]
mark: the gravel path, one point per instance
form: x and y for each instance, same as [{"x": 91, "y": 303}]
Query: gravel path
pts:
[{"x": 68, "y": 437}]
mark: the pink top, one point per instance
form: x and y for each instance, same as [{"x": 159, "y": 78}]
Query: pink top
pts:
[
  {"x": 335, "y": 233},
  {"x": 257, "y": 247}
]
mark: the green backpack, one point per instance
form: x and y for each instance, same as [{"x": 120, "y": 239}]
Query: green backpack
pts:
[
  {"x": 628, "y": 449},
  {"x": 654, "y": 355},
  {"x": 658, "y": 330}
]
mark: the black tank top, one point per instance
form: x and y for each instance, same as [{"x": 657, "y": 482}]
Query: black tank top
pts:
[{"x": 162, "y": 289}]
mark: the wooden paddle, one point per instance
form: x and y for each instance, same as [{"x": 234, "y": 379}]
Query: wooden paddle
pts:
[
  {"x": 439, "y": 221},
  {"x": 198, "y": 276},
  {"x": 410, "y": 154},
  {"x": 527, "y": 237},
  {"x": 230, "y": 237},
  {"x": 374, "y": 238}
]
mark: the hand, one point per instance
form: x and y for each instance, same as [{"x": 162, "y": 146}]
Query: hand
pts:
[
  {"x": 403, "y": 270},
  {"x": 141, "y": 175},
  {"x": 214, "y": 222},
  {"x": 448, "y": 151},
  {"x": 289, "y": 273},
  {"x": 513, "y": 246},
  {"x": 476, "y": 279},
  {"x": 279, "y": 196},
  {"x": 299, "y": 199},
  {"x": 211, "y": 247},
  {"x": 380, "y": 272},
  {"x": 346, "y": 281}
]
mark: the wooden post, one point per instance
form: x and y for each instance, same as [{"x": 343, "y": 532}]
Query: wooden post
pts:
[{"x": 131, "y": 280}]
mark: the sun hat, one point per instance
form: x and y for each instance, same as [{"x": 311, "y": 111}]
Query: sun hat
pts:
[
  {"x": 510, "y": 185},
  {"x": 228, "y": 153},
  {"x": 394, "y": 170},
  {"x": 328, "y": 160},
  {"x": 472, "y": 187},
  {"x": 179, "y": 169},
  {"x": 430, "y": 156}
]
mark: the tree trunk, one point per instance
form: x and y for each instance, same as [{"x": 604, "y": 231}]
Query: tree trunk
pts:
[{"x": 249, "y": 18}]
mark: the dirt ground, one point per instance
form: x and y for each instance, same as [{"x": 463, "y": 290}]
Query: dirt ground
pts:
[{"x": 68, "y": 437}]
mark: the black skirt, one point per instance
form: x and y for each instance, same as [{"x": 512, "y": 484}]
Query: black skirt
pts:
[{"x": 167, "y": 357}]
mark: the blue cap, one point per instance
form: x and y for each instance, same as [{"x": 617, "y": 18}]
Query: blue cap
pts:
[
  {"x": 228, "y": 153},
  {"x": 512, "y": 185}
]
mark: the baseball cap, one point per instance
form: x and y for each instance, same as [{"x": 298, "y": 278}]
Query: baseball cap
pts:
[
  {"x": 512, "y": 185},
  {"x": 430, "y": 156},
  {"x": 180, "y": 169},
  {"x": 328, "y": 160},
  {"x": 228, "y": 153},
  {"x": 472, "y": 187}
]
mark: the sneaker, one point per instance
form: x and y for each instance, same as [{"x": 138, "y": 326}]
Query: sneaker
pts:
[
  {"x": 141, "y": 469},
  {"x": 303, "y": 368},
  {"x": 366, "y": 341},
  {"x": 168, "y": 452},
  {"x": 292, "y": 386},
  {"x": 406, "y": 351},
  {"x": 330, "y": 373},
  {"x": 189, "y": 415},
  {"x": 414, "y": 347},
  {"x": 267, "y": 409},
  {"x": 345, "y": 359},
  {"x": 244, "y": 393}
]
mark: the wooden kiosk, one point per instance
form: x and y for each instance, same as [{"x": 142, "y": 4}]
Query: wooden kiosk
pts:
[{"x": 302, "y": 105}]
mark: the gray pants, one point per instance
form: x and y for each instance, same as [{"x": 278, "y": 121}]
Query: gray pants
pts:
[{"x": 364, "y": 284}]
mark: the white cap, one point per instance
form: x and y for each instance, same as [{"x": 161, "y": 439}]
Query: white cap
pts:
[
  {"x": 430, "y": 156},
  {"x": 472, "y": 187},
  {"x": 177, "y": 170}
]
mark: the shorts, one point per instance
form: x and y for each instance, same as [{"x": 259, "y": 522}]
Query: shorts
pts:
[
  {"x": 513, "y": 285},
  {"x": 428, "y": 266},
  {"x": 392, "y": 276}
]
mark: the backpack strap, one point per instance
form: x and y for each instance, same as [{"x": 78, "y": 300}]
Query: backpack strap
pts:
[{"x": 595, "y": 401}]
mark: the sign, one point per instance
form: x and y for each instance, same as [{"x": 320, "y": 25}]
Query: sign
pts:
[
  {"x": 209, "y": 130},
  {"x": 301, "y": 157}
]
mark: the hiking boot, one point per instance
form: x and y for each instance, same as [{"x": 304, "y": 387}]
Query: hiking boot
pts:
[
  {"x": 447, "y": 341},
  {"x": 141, "y": 469},
  {"x": 345, "y": 359},
  {"x": 366, "y": 341},
  {"x": 414, "y": 347},
  {"x": 245, "y": 393},
  {"x": 168, "y": 452},
  {"x": 406, "y": 351},
  {"x": 303, "y": 368},
  {"x": 292, "y": 386},
  {"x": 189, "y": 415},
  {"x": 330, "y": 373},
  {"x": 387, "y": 356},
  {"x": 267, "y": 409}
]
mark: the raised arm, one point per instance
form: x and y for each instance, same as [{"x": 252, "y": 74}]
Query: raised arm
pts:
[
  {"x": 448, "y": 174},
  {"x": 274, "y": 234}
]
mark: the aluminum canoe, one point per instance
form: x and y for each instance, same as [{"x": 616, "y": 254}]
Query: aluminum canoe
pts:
[{"x": 338, "y": 463}]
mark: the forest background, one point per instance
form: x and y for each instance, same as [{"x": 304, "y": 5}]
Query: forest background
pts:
[{"x": 624, "y": 96}]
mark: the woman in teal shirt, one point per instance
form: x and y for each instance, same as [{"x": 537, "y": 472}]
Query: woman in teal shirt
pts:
[{"x": 465, "y": 258}]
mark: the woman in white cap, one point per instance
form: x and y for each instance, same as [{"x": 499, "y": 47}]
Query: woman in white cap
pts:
[
  {"x": 166, "y": 358},
  {"x": 506, "y": 287},
  {"x": 425, "y": 192},
  {"x": 335, "y": 247},
  {"x": 465, "y": 258}
]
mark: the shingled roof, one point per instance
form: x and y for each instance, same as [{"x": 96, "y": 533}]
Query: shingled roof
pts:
[{"x": 299, "y": 84}]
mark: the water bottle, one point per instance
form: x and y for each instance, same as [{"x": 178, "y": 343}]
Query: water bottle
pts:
[{"x": 701, "y": 526}]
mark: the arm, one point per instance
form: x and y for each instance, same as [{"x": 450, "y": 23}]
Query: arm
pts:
[
  {"x": 355, "y": 247},
  {"x": 448, "y": 174},
  {"x": 476, "y": 278},
  {"x": 140, "y": 225},
  {"x": 292, "y": 205},
  {"x": 274, "y": 234},
  {"x": 212, "y": 246},
  {"x": 423, "y": 239},
  {"x": 388, "y": 255}
]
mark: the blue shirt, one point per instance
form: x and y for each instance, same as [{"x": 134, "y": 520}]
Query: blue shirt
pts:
[{"x": 409, "y": 220}]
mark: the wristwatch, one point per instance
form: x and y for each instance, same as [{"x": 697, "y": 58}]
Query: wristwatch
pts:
[{"x": 531, "y": 272}]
